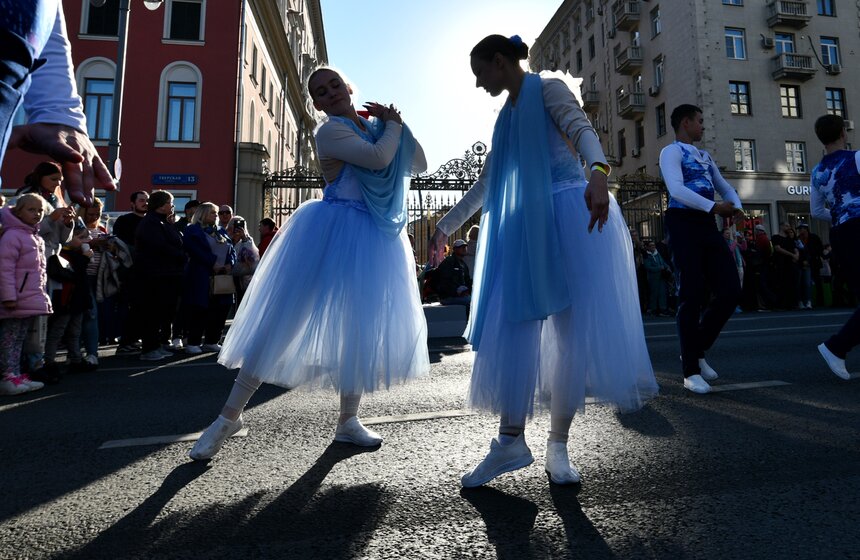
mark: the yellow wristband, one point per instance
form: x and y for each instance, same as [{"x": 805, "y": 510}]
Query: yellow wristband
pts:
[{"x": 605, "y": 169}]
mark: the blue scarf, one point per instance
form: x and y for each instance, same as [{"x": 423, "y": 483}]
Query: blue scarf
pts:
[
  {"x": 518, "y": 218},
  {"x": 385, "y": 190}
]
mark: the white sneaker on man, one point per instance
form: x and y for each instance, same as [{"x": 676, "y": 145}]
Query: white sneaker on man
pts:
[
  {"x": 500, "y": 459},
  {"x": 193, "y": 349},
  {"x": 697, "y": 384},
  {"x": 353, "y": 431},
  {"x": 834, "y": 362},
  {"x": 558, "y": 465},
  {"x": 176, "y": 344},
  {"x": 214, "y": 436},
  {"x": 708, "y": 373},
  {"x": 211, "y": 347},
  {"x": 91, "y": 359}
]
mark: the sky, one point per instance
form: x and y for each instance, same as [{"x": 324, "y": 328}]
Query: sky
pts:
[{"x": 415, "y": 54}]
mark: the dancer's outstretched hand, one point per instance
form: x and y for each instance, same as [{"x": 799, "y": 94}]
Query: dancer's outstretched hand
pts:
[
  {"x": 436, "y": 250},
  {"x": 597, "y": 200},
  {"x": 389, "y": 113}
]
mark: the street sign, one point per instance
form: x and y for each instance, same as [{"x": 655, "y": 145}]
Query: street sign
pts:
[{"x": 174, "y": 179}]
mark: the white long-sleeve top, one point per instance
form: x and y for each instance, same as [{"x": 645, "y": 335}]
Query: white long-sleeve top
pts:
[
  {"x": 337, "y": 143},
  {"x": 692, "y": 176},
  {"x": 571, "y": 122},
  {"x": 53, "y": 95}
]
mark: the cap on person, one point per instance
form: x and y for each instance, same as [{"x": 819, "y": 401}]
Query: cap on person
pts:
[{"x": 459, "y": 243}]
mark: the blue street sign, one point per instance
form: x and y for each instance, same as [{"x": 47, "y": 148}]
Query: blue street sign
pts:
[{"x": 174, "y": 179}]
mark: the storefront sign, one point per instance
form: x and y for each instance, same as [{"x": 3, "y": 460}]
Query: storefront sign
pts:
[
  {"x": 797, "y": 190},
  {"x": 174, "y": 179}
]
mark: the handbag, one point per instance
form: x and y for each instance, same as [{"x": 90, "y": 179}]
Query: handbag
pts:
[{"x": 222, "y": 285}]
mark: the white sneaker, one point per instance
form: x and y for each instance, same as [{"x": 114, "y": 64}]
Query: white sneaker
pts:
[
  {"x": 31, "y": 385},
  {"x": 835, "y": 363},
  {"x": 809, "y": 305},
  {"x": 500, "y": 459},
  {"x": 13, "y": 386},
  {"x": 353, "y": 431},
  {"x": 152, "y": 356},
  {"x": 708, "y": 373},
  {"x": 696, "y": 384},
  {"x": 558, "y": 465},
  {"x": 211, "y": 347},
  {"x": 176, "y": 344},
  {"x": 91, "y": 359},
  {"x": 213, "y": 438},
  {"x": 191, "y": 349}
]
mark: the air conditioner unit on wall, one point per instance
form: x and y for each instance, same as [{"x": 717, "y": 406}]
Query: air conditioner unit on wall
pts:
[
  {"x": 767, "y": 42},
  {"x": 635, "y": 152},
  {"x": 834, "y": 68},
  {"x": 654, "y": 91},
  {"x": 849, "y": 125}
]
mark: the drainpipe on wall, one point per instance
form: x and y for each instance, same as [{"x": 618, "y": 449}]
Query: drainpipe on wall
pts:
[{"x": 239, "y": 101}]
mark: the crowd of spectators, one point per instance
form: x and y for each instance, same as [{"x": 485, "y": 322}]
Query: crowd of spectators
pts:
[{"x": 150, "y": 283}]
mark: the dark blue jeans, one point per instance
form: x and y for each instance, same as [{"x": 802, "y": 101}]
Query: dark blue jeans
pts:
[
  {"x": 709, "y": 288},
  {"x": 845, "y": 239},
  {"x": 16, "y": 62}
]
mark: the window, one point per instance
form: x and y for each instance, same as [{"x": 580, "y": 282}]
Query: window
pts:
[
  {"x": 622, "y": 144},
  {"x": 579, "y": 60},
  {"x": 744, "y": 155},
  {"x": 835, "y": 100},
  {"x": 829, "y": 50},
  {"x": 180, "y": 92},
  {"x": 592, "y": 82},
  {"x": 103, "y": 20},
  {"x": 784, "y": 42},
  {"x": 591, "y": 48},
  {"x": 98, "y": 107},
  {"x": 733, "y": 2},
  {"x": 795, "y": 157},
  {"x": 184, "y": 20},
  {"x": 826, "y": 8},
  {"x": 181, "y": 110},
  {"x": 263, "y": 81},
  {"x": 789, "y": 99},
  {"x": 658, "y": 71},
  {"x": 640, "y": 134},
  {"x": 656, "y": 26},
  {"x": 735, "y": 43},
  {"x": 254, "y": 63},
  {"x": 661, "y": 119},
  {"x": 739, "y": 98}
]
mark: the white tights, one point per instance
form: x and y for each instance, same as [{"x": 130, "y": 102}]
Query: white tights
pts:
[
  {"x": 559, "y": 424},
  {"x": 246, "y": 385}
]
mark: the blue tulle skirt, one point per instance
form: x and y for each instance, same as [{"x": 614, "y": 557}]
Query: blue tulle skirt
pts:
[
  {"x": 595, "y": 348},
  {"x": 334, "y": 303}
]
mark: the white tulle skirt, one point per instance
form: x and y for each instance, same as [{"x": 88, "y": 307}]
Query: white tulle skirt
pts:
[
  {"x": 595, "y": 348},
  {"x": 334, "y": 303}
]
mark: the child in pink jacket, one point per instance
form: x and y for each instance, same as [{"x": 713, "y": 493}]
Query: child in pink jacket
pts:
[{"x": 22, "y": 288}]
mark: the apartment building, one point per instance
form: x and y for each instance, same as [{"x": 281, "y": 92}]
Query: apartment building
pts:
[{"x": 762, "y": 71}]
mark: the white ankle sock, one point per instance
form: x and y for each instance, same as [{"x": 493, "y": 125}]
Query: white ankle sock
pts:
[{"x": 243, "y": 389}]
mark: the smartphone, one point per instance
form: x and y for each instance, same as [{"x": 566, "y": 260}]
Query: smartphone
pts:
[{"x": 239, "y": 224}]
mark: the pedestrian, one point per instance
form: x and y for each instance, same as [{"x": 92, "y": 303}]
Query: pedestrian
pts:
[
  {"x": 36, "y": 70},
  {"x": 658, "y": 273},
  {"x": 22, "y": 288},
  {"x": 188, "y": 211},
  {"x": 452, "y": 279},
  {"x": 247, "y": 255},
  {"x": 698, "y": 249},
  {"x": 210, "y": 253},
  {"x": 786, "y": 258},
  {"x": 335, "y": 303},
  {"x": 550, "y": 294},
  {"x": 125, "y": 227},
  {"x": 813, "y": 248},
  {"x": 267, "y": 230},
  {"x": 127, "y": 311},
  {"x": 471, "y": 247},
  {"x": 158, "y": 268},
  {"x": 835, "y": 196},
  {"x": 225, "y": 214}
]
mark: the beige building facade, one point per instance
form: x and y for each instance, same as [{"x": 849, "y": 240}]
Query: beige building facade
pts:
[{"x": 761, "y": 70}]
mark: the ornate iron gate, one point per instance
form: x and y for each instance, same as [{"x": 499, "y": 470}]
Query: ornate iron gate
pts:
[
  {"x": 283, "y": 191},
  {"x": 643, "y": 200}
]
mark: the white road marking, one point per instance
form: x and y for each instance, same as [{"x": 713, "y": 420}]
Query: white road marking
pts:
[
  {"x": 156, "y": 440},
  {"x": 6, "y": 407},
  {"x": 750, "y": 385},
  {"x": 171, "y": 364},
  {"x": 745, "y": 331},
  {"x": 418, "y": 416}
]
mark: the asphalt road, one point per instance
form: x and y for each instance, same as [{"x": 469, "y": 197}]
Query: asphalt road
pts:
[{"x": 767, "y": 468}]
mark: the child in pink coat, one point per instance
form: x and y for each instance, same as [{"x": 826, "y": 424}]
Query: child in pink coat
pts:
[{"x": 22, "y": 288}]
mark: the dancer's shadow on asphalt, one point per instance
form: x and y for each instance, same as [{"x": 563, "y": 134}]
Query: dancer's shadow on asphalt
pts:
[
  {"x": 509, "y": 520},
  {"x": 583, "y": 538},
  {"x": 647, "y": 422},
  {"x": 301, "y": 522}
]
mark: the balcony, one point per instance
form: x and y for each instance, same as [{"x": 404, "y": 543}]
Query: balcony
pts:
[
  {"x": 789, "y": 13},
  {"x": 792, "y": 66},
  {"x": 629, "y": 60},
  {"x": 631, "y": 105},
  {"x": 626, "y": 14},
  {"x": 590, "y": 101}
]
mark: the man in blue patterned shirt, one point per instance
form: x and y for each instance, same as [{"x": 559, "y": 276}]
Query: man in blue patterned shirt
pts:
[
  {"x": 699, "y": 253},
  {"x": 835, "y": 196}
]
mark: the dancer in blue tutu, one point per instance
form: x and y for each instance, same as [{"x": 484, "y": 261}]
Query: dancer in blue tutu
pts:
[
  {"x": 555, "y": 310},
  {"x": 335, "y": 302}
]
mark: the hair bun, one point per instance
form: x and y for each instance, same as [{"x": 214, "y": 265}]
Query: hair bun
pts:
[{"x": 521, "y": 49}]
